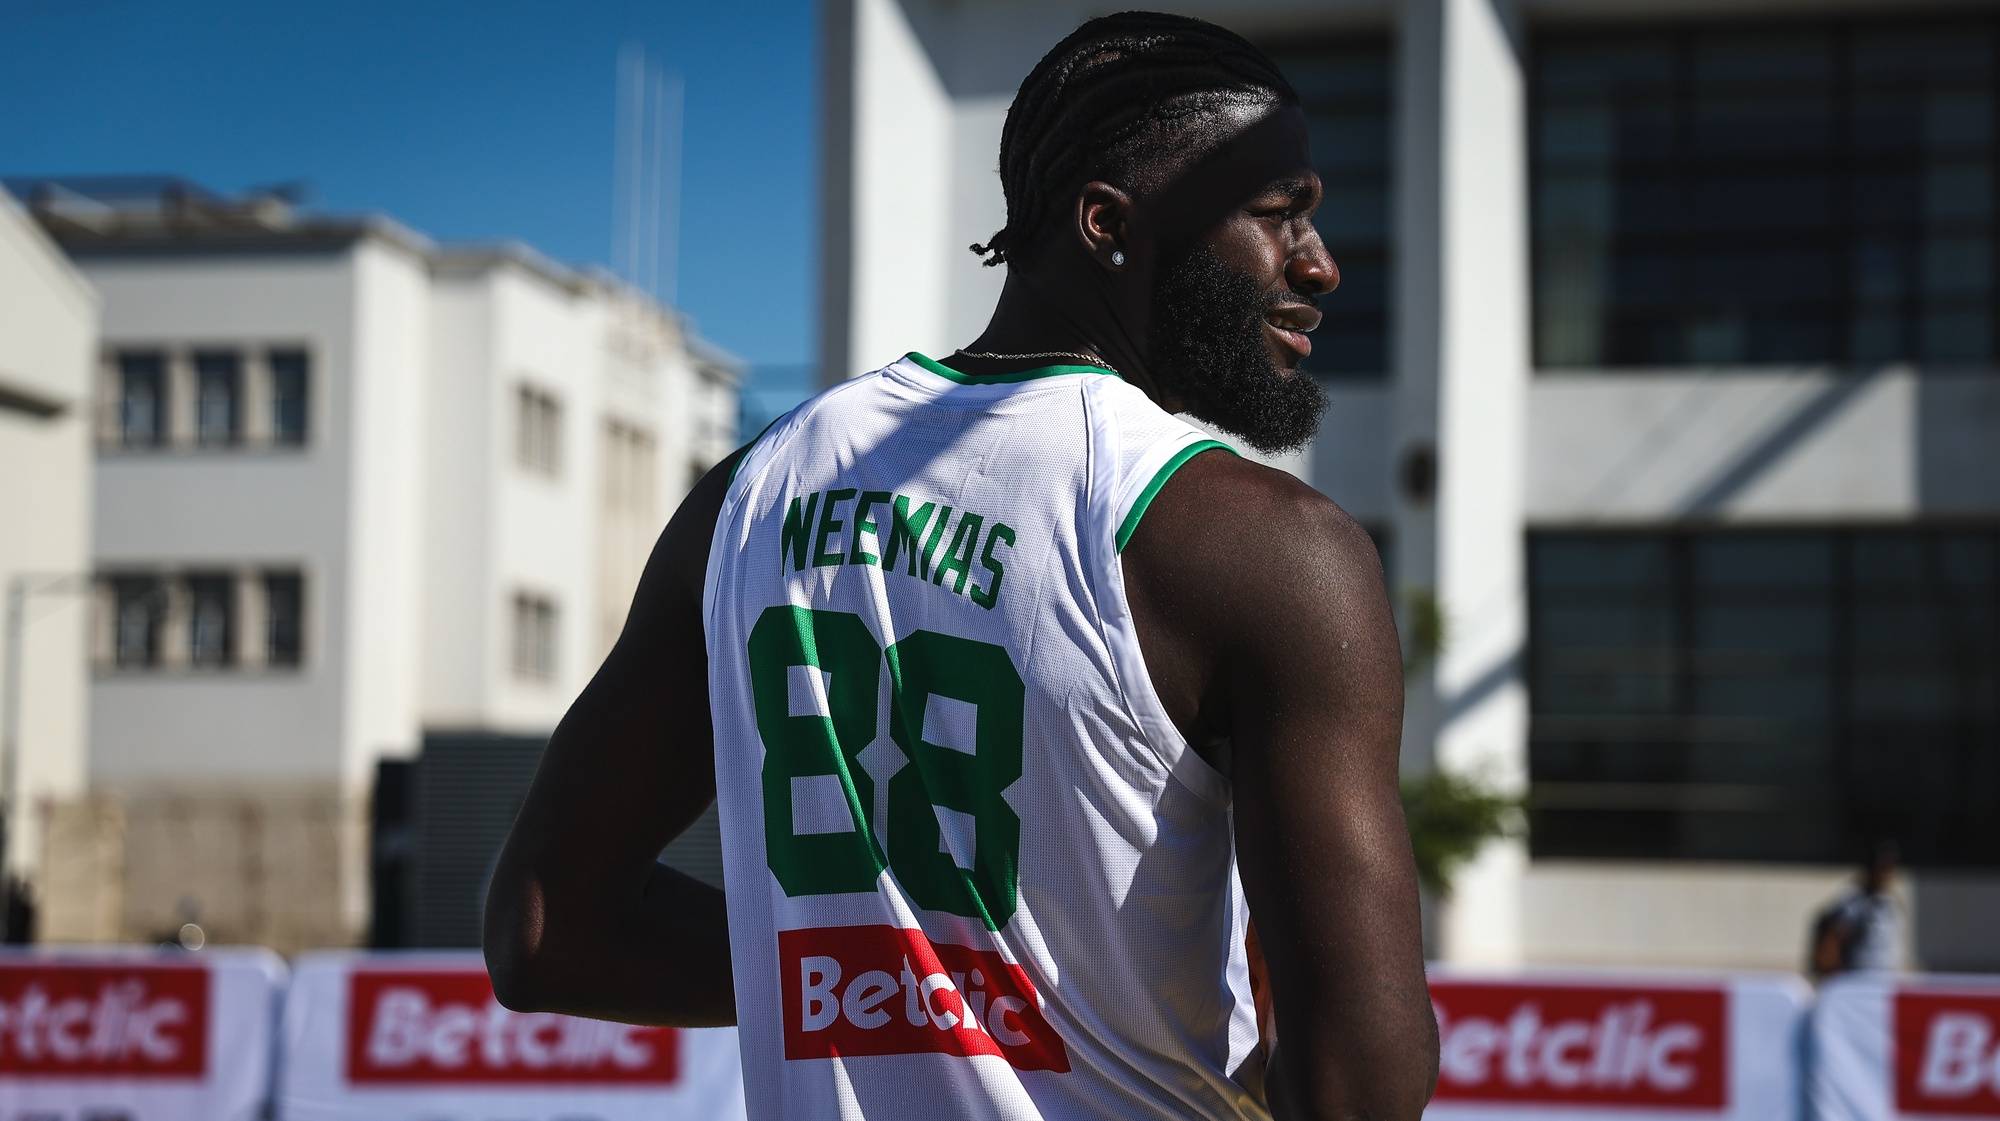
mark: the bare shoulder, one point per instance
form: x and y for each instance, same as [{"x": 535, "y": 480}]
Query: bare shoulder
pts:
[{"x": 1237, "y": 541}]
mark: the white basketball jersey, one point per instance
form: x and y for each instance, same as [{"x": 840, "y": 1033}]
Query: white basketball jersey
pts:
[{"x": 973, "y": 870}]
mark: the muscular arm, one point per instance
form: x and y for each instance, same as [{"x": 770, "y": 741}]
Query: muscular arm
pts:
[
  {"x": 1263, "y": 615},
  {"x": 581, "y": 918}
]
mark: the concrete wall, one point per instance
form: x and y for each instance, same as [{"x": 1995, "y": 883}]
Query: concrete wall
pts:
[{"x": 48, "y": 332}]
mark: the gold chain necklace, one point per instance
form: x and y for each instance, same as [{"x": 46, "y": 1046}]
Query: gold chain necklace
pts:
[{"x": 1087, "y": 359}]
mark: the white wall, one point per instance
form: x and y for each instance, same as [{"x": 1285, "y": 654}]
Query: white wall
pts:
[
  {"x": 459, "y": 622},
  {"x": 385, "y": 508},
  {"x": 543, "y": 530},
  {"x": 48, "y": 329},
  {"x": 898, "y": 286},
  {"x": 46, "y": 313},
  {"x": 1766, "y": 446},
  {"x": 493, "y": 528},
  {"x": 183, "y": 508}
]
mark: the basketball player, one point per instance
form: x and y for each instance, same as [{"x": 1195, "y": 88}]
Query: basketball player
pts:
[{"x": 1005, "y": 678}]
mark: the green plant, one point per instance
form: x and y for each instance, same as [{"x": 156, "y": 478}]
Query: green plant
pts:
[
  {"x": 1424, "y": 623},
  {"x": 1451, "y": 817}
]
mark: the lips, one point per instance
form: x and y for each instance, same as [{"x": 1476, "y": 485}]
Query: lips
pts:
[{"x": 1290, "y": 323}]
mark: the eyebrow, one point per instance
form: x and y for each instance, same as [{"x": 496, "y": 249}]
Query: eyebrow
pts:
[{"x": 1297, "y": 187}]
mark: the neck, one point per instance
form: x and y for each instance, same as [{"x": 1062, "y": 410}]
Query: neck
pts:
[{"x": 1031, "y": 318}]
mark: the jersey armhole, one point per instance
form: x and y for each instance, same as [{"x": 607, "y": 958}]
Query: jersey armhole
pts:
[
  {"x": 1135, "y": 449},
  {"x": 1176, "y": 458}
]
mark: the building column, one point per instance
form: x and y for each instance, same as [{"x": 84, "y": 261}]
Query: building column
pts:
[
  {"x": 1460, "y": 413},
  {"x": 181, "y": 387},
  {"x": 110, "y": 401},
  {"x": 247, "y": 635},
  {"x": 254, "y": 398},
  {"x": 103, "y": 624},
  {"x": 176, "y": 615}
]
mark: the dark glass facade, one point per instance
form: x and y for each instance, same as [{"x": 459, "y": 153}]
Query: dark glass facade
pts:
[
  {"x": 1778, "y": 695},
  {"x": 1741, "y": 195}
]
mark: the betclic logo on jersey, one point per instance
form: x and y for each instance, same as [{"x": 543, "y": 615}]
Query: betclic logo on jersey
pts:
[
  {"x": 1947, "y": 1053},
  {"x": 1569, "y": 1044},
  {"x": 886, "y": 990}
]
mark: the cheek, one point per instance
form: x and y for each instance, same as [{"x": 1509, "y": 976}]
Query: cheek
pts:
[{"x": 1255, "y": 249}]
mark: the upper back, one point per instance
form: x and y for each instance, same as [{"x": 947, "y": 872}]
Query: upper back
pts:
[{"x": 940, "y": 762}]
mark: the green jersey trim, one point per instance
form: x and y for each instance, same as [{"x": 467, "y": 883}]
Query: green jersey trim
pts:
[
  {"x": 950, "y": 374},
  {"x": 1160, "y": 477}
]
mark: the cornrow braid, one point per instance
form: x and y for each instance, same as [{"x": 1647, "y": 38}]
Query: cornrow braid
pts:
[{"x": 1107, "y": 101}]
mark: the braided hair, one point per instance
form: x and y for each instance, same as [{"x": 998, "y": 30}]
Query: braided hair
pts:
[{"x": 1109, "y": 102}]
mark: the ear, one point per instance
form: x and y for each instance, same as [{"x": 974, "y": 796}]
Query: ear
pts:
[{"x": 1103, "y": 223}]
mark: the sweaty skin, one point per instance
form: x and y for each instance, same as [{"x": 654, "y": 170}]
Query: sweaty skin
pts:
[{"x": 1261, "y": 614}]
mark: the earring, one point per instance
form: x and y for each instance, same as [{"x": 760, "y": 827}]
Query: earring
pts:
[{"x": 1117, "y": 256}]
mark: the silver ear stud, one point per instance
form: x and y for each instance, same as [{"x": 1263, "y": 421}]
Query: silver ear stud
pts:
[{"x": 1117, "y": 256}]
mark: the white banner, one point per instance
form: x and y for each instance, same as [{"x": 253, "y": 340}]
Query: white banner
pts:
[
  {"x": 1617, "y": 1047},
  {"x": 136, "y": 1035},
  {"x": 1890, "y": 1048},
  {"x": 419, "y": 1037}
]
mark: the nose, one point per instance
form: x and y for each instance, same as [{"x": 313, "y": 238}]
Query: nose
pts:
[{"x": 1311, "y": 268}]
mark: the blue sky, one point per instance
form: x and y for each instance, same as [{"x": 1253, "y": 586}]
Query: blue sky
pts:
[{"x": 465, "y": 121}]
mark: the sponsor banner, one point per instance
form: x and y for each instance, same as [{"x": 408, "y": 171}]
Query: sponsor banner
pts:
[
  {"x": 1887, "y": 1048},
  {"x": 1620, "y": 1047},
  {"x": 419, "y": 1037},
  {"x": 888, "y": 990},
  {"x": 136, "y": 1034}
]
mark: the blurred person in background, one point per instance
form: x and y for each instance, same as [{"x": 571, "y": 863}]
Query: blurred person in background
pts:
[
  {"x": 1024, "y": 695},
  {"x": 1863, "y": 929}
]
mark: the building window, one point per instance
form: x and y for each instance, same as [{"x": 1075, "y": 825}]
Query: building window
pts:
[
  {"x": 284, "y": 618},
  {"x": 289, "y": 388},
  {"x": 1344, "y": 90},
  {"x": 138, "y": 607},
  {"x": 538, "y": 431},
  {"x": 142, "y": 399},
  {"x": 211, "y": 620},
  {"x": 1814, "y": 192},
  {"x": 200, "y": 612},
  {"x": 534, "y": 637},
  {"x": 630, "y": 461},
  {"x": 1765, "y": 695},
  {"x": 218, "y": 386}
]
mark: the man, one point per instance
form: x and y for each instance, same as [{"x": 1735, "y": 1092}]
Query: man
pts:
[
  {"x": 1862, "y": 930},
  {"x": 1012, "y": 677}
]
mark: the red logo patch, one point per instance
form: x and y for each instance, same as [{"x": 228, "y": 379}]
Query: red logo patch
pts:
[
  {"x": 1582, "y": 1045},
  {"x": 1947, "y": 1049},
  {"x": 886, "y": 990},
  {"x": 66, "y": 1021},
  {"x": 408, "y": 1026}
]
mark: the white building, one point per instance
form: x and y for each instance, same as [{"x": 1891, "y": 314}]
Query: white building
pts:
[
  {"x": 1664, "y": 364},
  {"x": 351, "y": 487},
  {"x": 48, "y": 339}
]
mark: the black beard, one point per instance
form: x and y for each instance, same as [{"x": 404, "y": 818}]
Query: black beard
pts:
[{"x": 1208, "y": 353}]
